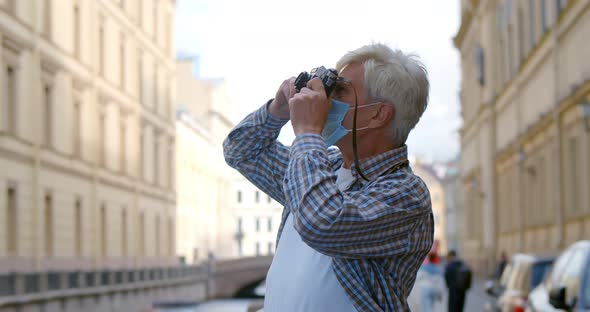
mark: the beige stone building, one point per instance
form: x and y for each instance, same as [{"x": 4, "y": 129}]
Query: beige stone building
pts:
[
  {"x": 204, "y": 181},
  {"x": 87, "y": 136},
  {"x": 432, "y": 178},
  {"x": 525, "y": 143}
]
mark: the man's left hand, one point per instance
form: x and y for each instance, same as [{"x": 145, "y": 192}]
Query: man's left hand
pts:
[{"x": 309, "y": 108}]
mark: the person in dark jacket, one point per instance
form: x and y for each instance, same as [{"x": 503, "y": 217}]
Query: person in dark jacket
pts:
[
  {"x": 457, "y": 289},
  {"x": 501, "y": 265}
]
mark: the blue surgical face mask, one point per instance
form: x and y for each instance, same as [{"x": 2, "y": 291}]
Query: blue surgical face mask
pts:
[{"x": 333, "y": 129}]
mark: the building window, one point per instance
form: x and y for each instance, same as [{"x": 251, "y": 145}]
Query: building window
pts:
[
  {"x": 501, "y": 19},
  {"x": 560, "y": 6},
  {"x": 157, "y": 236},
  {"x": 124, "y": 231},
  {"x": 122, "y": 61},
  {"x": 140, "y": 84},
  {"x": 155, "y": 19},
  {"x": 170, "y": 164},
  {"x": 521, "y": 35},
  {"x": 103, "y": 230},
  {"x": 123, "y": 143},
  {"x": 77, "y": 25},
  {"x": 143, "y": 157},
  {"x": 480, "y": 61},
  {"x": 48, "y": 225},
  {"x": 10, "y": 88},
  {"x": 47, "y": 19},
  {"x": 257, "y": 224},
  {"x": 11, "y": 221},
  {"x": 141, "y": 234},
  {"x": 240, "y": 248},
  {"x": 532, "y": 25},
  {"x": 257, "y": 248},
  {"x": 239, "y": 196},
  {"x": 9, "y": 5},
  {"x": 544, "y": 21},
  {"x": 170, "y": 236},
  {"x": 101, "y": 45},
  {"x": 270, "y": 224},
  {"x": 268, "y": 199},
  {"x": 574, "y": 175},
  {"x": 168, "y": 34},
  {"x": 543, "y": 192},
  {"x": 77, "y": 128},
  {"x": 169, "y": 107},
  {"x": 48, "y": 129},
  {"x": 156, "y": 159},
  {"x": 510, "y": 47},
  {"x": 270, "y": 248},
  {"x": 140, "y": 19},
  {"x": 154, "y": 99},
  {"x": 240, "y": 225},
  {"x": 102, "y": 154},
  {"x": 257, "y": 196},
  {"x": 78, "y": 226}
]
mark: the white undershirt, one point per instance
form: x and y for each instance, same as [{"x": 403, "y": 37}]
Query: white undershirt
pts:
[{"x": 344, "y": 178}]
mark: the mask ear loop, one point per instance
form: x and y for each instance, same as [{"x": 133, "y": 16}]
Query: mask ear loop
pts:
[{"x": 354, "y": 144}]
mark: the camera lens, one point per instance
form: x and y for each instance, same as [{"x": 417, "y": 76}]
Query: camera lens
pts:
[{"x": 301, "y": 80}]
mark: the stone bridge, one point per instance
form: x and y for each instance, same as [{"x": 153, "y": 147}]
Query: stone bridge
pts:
[{"x": 128, "y": 290}]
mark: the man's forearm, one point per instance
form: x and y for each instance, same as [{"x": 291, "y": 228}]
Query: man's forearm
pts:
[
  {"x": 278, "y": 110},
  {"x": 252, "y": 148}
]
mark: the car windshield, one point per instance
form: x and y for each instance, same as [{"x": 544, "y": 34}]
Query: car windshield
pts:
[
  {"x": 524, "y": 276},
  {"x": 539, "y": 272}
]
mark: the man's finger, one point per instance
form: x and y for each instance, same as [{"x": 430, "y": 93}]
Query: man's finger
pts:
[
  {"x": 316, "y": 84},
  {"x": 292, "y": 89}
]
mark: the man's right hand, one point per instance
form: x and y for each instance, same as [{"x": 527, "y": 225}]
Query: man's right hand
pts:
[{"x": 279, "y": 107}]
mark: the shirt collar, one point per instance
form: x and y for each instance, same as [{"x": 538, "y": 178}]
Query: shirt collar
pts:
[{"x": 374, "y": 166}]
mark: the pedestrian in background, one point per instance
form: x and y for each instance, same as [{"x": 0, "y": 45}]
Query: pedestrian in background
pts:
[
  {"x": 501, "y": 265},
  {"x": 458, "y": 279},
  {"x": 430, "y": 279}
]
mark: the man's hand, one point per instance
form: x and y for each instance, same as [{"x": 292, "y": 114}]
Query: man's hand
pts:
[
  {"x": 309, "y": 108},
  {"x": 280, "y": 105}
]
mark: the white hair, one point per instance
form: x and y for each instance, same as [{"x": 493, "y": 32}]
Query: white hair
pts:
[{"x": 395, "y": 77}]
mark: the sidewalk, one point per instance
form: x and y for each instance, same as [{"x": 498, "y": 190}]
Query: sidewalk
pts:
[{"x": 476, "y": 296}]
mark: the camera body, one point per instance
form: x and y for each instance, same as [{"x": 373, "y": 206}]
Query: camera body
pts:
[{"x": 329, "y": 78}]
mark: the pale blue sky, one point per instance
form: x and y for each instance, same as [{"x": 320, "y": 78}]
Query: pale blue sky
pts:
[{"x": 257, "y": 44}]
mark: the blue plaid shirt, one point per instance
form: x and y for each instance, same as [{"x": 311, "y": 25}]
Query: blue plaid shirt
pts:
[{"x": 377, "y": 232}]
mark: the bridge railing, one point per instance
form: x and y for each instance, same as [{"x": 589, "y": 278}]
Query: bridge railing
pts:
[{"x": 33, "y": 286}]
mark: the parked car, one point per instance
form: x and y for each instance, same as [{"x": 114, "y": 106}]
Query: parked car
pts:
[
  {"x": 521, "y": 275},
  {"x": 567, "y": 286}
]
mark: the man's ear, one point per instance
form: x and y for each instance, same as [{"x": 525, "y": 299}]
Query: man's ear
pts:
[{"x": 383, "y": 116}]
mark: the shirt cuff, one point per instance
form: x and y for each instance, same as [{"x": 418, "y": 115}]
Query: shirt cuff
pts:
[
  {"x": 307, "y": 142},
  {"x": 263, "y": 117}
]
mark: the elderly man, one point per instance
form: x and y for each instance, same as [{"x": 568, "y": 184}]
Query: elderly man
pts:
[{"x": 357, "y": 222}]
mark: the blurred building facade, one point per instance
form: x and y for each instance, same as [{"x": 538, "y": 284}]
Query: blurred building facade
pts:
[
  {"x": 87, "y": 136},
  {"x": 204, "y": 181},
  {"x": 525, "y": 143},
  {"x": 451, "y": 182},
  {"x": 257, "y": 218},
  {"x": 432, "y": 177},
  {"x": 219, "y": 212}
]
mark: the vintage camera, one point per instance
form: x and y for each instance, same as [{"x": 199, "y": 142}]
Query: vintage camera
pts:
[{"x": 329, "y": 78}]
